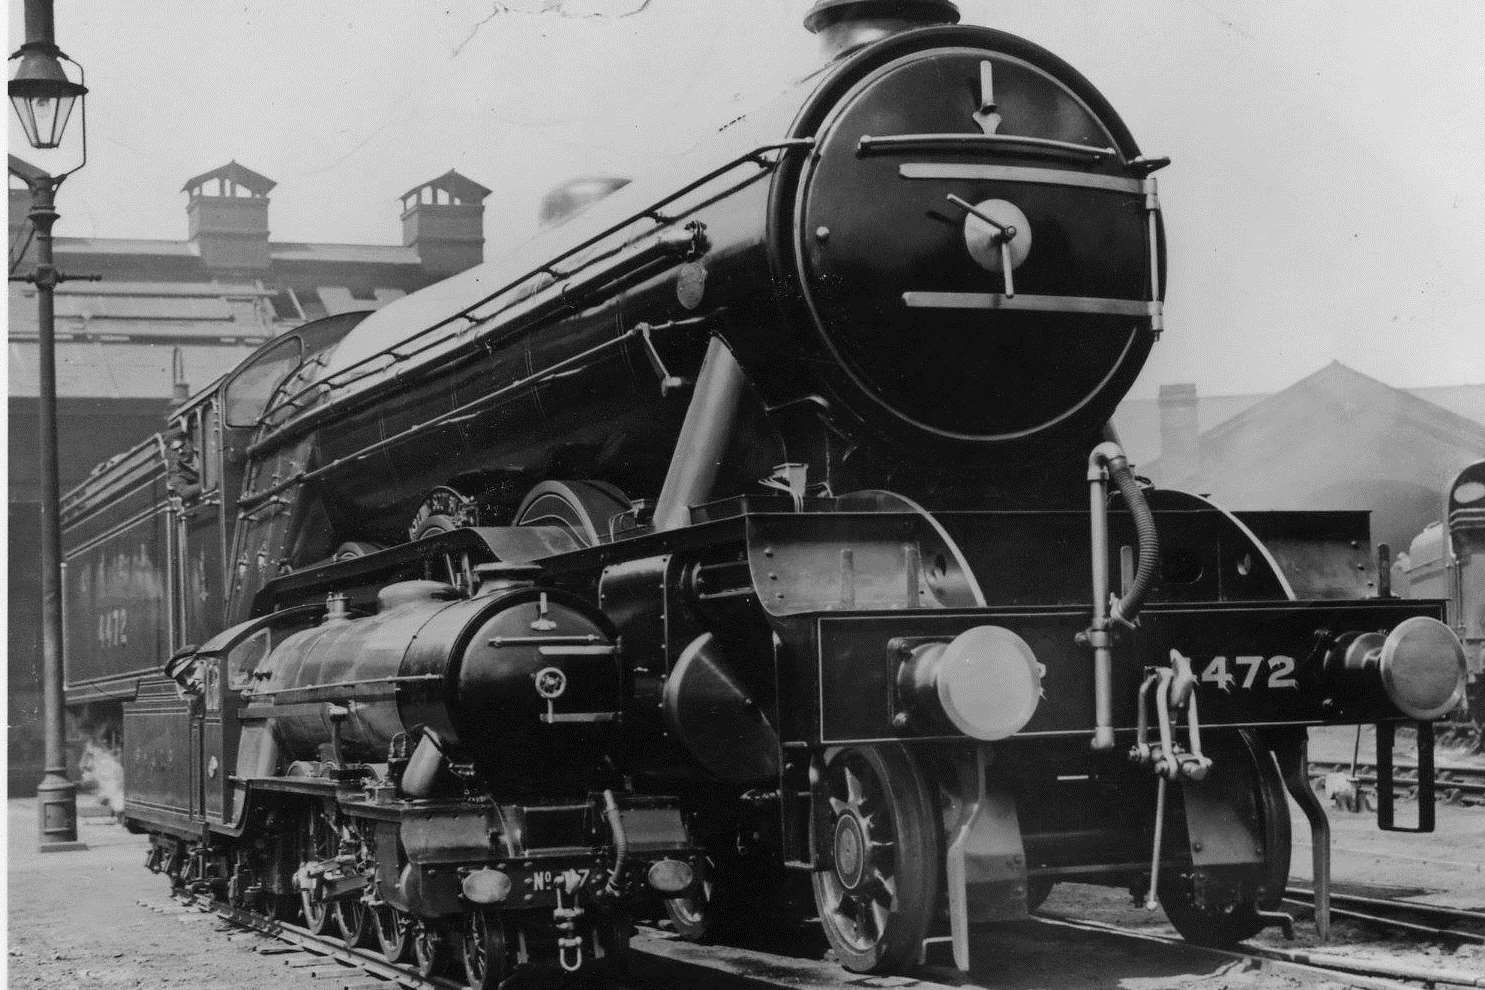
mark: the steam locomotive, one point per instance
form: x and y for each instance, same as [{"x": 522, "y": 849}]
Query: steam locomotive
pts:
[
  {"x": 1447, "y": 560},
  {"x": 760, "y": 521}
]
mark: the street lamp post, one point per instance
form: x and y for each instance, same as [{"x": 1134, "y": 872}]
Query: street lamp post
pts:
[{"x": 43, "y": 97}]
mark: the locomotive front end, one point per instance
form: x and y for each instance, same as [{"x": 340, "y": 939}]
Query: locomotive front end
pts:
[{"x": 976, "y": 239}]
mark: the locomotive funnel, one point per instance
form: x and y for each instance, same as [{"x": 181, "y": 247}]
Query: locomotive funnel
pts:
[{"x": 845, "y": 24}]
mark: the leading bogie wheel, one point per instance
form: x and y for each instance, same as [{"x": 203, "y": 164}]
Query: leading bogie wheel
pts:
[
  {"x": 485, "y": 950},
  {"x": 394, "y": 932},
  {"x": 881, "y": 891},
  {"x": 1215, "y": 925},
  {"x": 1250, "y": 784}
]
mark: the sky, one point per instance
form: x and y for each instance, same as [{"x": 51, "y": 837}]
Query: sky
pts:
[{"x": 1324, "y": 200}]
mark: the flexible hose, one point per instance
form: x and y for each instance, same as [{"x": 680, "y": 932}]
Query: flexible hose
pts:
[
  {"x": 621, "y": 842},
  {"x": 1127, "y": 607}
]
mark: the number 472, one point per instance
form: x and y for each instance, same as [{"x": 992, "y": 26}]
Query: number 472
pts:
[{"x": 1280, "y": 672}]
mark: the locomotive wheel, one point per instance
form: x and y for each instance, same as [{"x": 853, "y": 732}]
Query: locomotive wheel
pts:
[
  {"x": 881, "y": 892},
  {"x": 393, "y": 932},
  {"x": 352, "y": 549},
  {"x": 1224, "y": 925},
  {"x": 319, "y": 845},
  {"x": 430, "y": 951},
  {"x": 1217, "y": 927},
  {"x": 353, "y": 918},
  {"x": 583, "y": 508},
  {"x": 694, "y": 915},
  {"x": 484, "y": 949}
]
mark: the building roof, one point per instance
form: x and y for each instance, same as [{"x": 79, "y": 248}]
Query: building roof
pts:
[
  {"x": 95, "y": 369},
  {"x": 236, "y": 174},
  {"x": 1138, "y": 419},
  {"x": 462, "y": 188},
  {"x": 1336, "y": 439},
  {"x": 103, "y": 311},
  {"x": 1345, "y": 390},
  {"x": 351, "y": 254}
]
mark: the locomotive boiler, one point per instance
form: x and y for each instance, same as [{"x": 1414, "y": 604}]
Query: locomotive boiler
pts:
[{"x": 760, "y": 521}]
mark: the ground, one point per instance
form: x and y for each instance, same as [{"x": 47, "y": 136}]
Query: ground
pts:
[
  {"x": 85, "y": 919},
  {"x": 75, "y": 920}
]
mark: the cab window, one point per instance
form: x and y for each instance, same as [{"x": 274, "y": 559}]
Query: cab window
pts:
[{"x": 247, "y": 393}]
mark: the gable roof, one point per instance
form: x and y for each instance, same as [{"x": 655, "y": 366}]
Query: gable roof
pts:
[{"x": 1337, "y": 381}]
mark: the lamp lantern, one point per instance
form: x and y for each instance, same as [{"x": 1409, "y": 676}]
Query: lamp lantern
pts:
[{"x": 40, "y": 91}]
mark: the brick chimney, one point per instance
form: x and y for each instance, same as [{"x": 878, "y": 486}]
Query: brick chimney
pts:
[
  {"x": 444, "y": 221},
  {"x": 1180, "y": 455},
  {"x": 227, "y": 218}
]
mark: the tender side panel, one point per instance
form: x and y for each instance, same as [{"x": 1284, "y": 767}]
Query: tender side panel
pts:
[{"x": 117, "y": 589}]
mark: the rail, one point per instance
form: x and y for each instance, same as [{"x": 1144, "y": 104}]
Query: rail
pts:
[{"x": 1372, "y": 974}]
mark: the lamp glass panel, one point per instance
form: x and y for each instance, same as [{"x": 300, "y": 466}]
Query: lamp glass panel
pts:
[{"x": 43, "y": 118}]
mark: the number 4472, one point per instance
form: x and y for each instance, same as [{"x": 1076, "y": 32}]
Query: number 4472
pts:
[{"x": 1225, "y": 672}]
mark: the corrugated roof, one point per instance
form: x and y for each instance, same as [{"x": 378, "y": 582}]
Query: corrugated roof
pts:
[{"x": 111, "y": 370}]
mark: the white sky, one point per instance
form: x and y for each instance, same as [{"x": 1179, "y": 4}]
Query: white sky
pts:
[{"x": 1325, "y": 200}]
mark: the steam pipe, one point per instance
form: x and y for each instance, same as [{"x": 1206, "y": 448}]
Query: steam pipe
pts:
[
  {"x": 1105, "y": 462},
  {"x": 710, "y": 422}
]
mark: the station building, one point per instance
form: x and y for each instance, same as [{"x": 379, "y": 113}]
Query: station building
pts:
[
  {"x": 1335, "y": 439},
  {"x": 165, "y": 319}
]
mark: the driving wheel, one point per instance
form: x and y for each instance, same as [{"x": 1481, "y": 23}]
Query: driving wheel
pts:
[{"x": 880, "y": 893}]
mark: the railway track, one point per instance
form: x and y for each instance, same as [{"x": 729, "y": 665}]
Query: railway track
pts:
[
  {"x": 1409, "y": 916},
  {"x": 1454, "y": 783},
  {"x": 323, "y": 957},
  {"x": 1369, "y": 974},
  {"x": 662, "y": 961}
]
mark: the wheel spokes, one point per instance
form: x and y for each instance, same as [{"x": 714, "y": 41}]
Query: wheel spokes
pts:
[{"x": 854, "y": 790}]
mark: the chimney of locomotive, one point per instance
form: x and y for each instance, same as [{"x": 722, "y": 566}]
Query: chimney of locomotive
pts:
[{"x": 843, "y": 25}]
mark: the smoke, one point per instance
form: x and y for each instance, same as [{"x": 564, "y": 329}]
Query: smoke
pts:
[{"x": 102, "y": 770}]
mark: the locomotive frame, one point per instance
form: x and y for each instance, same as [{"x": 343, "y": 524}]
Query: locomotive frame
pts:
[{"x": 716, "y": 535}]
